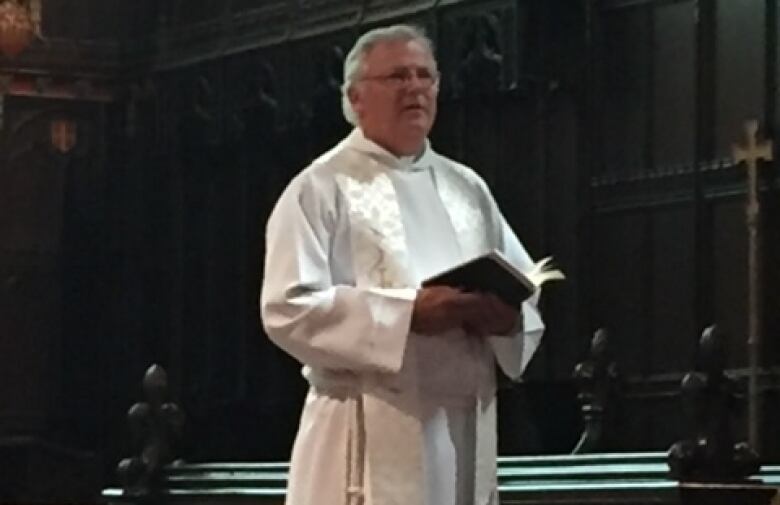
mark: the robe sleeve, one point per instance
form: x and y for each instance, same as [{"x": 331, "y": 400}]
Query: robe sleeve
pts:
[
  {"x": 515, "y": 352},
  {"x": 319, "y": 322}
]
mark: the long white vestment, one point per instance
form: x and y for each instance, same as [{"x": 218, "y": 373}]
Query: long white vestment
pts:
[{"x": 391, "y": 418}]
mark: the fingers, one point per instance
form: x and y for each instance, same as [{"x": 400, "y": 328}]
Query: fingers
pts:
[
  {"x": 505, "y": 317},
  {"x": 491, "y": 316},
  {"x": 477, "y": 316},
  {"x": 438, "y": 309}
]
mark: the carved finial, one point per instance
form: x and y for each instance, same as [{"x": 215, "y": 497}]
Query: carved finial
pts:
[
  {"x": 596, "y": 378},
  {"x": 155, "y": 425},
  {"x": 710, "y": 453}
]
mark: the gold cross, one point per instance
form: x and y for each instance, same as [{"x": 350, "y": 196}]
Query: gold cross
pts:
[
  {"x": 750, "y": 154},
  {"x": 754, "y": 150}
]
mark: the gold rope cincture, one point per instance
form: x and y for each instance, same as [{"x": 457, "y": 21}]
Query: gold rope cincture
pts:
[{"x": 356, "y": 441}]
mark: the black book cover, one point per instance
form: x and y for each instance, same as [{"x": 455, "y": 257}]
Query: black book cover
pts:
[{"x": 490, "y": 273}]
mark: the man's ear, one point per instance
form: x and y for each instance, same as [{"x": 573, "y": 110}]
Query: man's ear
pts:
[{"x": 354, "y": 98}]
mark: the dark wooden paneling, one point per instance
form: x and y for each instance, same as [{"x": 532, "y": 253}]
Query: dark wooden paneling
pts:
[
  {"x": 740, "y": 66},
  {"x": 31, "y": 195},
  {"x": 729, "y": 249},
  {"x": 673, "y": 84},
  {"x": 53, "y": 271},
  {"x": 193, "y": 11},
  {"x": 96, "y": 19},
  {"x": 771, "y": 277},
  {"x": 478, "y": 47},
  {"x": 620, "y": 269},
  {"x": 674, "y": 332},
  {"x": 626, "y": 107},
  {"x": 564, "y": 312},
  {"x": 244, "y": 5},
  {"x": 529, "y": 423},
  {"x": 312, "y": 73}
]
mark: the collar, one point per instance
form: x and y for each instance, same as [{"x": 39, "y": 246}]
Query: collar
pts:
[{"x": 358, "y": 141}]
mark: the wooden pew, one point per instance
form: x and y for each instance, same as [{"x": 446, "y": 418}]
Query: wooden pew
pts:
[
  {"x": 709, "y": 465},
  {"x": 616, "y": 479}
]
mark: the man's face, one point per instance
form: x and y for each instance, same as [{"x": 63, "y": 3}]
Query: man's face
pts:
[{"x": 395, "y": 96}]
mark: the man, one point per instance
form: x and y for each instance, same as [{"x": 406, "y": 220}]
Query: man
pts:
[{"x": 401, "y": 406}]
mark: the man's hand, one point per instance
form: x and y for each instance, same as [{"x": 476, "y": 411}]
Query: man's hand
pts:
[
  {"x": 491, "y": 316},
  {"x": 441, "y": 308}
]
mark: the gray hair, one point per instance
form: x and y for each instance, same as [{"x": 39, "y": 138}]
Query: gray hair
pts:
[{"x": 353, "y": 63}]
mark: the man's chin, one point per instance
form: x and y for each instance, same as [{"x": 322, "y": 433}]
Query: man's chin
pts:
[{"x": 418, "y": 122}]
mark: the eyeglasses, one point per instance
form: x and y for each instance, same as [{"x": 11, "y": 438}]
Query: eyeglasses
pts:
[{"x": 404, "y": 76}]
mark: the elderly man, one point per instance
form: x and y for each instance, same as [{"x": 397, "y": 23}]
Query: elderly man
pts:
[{"x": 401, "y": 406}]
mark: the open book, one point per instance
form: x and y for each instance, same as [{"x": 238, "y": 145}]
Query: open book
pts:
[{"x": 493, "y": 273}]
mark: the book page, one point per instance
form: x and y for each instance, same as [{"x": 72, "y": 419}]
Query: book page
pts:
[{"x": 543, "y": 271}]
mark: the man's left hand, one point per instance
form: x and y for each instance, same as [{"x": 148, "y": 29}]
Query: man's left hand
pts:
[{"x": 491, "y": 316}]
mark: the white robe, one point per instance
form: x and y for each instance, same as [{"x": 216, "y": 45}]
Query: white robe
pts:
[{"x": 391, "y": 418}]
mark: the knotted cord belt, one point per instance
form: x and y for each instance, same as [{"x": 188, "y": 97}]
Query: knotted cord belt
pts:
[{"x": 356, "y": 453}]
